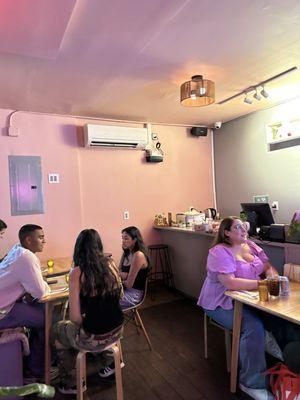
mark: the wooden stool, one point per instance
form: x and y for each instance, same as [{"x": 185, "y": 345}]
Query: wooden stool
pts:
[
  {"x": 161, "y": 265},
  {"x": 81, "y": 369},
  {"x": 227, "y": 340}
]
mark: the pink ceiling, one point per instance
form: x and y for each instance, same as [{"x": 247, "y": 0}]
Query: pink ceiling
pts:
[
  {"x": 127, "y": 58},
  {"x": 34, "y": 28}
]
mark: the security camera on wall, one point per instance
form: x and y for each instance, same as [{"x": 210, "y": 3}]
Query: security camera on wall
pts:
[{"x": 217, "y": 125}]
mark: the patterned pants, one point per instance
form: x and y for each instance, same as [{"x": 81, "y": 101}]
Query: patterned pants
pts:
[{"x": 73, "y": 338}]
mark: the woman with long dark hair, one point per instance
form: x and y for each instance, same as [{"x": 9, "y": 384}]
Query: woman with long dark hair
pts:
[
  {"x": 134, "y": 266},
  {"x": 95, "y": 315}
]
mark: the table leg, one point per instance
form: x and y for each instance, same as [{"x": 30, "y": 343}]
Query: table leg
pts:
[
  {"x": 237, "y": 319},
  {"x": 48, "y": 324}
]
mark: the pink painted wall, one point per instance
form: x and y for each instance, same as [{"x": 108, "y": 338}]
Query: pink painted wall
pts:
[{"x": 98, "y": 185}]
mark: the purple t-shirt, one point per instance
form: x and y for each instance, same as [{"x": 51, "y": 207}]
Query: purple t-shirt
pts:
[{"x": 221, "y": 261}]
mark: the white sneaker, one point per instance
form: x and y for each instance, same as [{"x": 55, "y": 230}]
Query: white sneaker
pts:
[
  {"x": 257, "y": 394},
  {"x": 109, "y": 370}
]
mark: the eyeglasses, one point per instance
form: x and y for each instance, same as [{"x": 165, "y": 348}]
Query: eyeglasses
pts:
[{"x": 239, "y": 227}]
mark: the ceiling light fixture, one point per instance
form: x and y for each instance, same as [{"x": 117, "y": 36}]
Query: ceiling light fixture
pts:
[
  {"x": 197, "y": 92},
  {"x": 254, "y": 87},
  {"x": 264, "y": 93},
  {"x": 256, "y": 95},
  {"x": 247, "y": 99}
]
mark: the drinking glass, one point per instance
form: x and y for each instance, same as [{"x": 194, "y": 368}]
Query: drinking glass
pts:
[
  {"x": 50, "y": 264},
  {"x": 273, "y": 285}
]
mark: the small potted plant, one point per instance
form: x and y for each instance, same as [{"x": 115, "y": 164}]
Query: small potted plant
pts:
[{"x": 293, "y": 231}]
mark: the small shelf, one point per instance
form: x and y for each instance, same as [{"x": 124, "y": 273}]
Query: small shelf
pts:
[{"x": 282, "y": 135}]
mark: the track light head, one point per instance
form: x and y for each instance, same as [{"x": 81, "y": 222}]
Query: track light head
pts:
[
  {"x": 256, "y": 95},
  {"x": 247, "y": 99},
  {"x": 264, "y": 93}
]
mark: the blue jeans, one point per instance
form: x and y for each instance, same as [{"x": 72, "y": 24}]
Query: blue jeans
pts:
[{"x": 252, "y": 361}]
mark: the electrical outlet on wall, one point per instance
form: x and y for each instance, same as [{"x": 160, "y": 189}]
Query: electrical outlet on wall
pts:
[
  {"x": 275, "y": 206},
  {"x": 126, "y": 215}
]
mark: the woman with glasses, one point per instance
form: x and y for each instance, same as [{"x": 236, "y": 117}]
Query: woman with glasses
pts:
[{"x": 236, "y": 263}]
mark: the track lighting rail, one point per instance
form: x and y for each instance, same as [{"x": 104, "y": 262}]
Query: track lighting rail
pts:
[{"x": 254, "y": 87}]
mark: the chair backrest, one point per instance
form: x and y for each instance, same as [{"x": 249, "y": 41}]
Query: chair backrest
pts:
[{"x": 292, "y": 271}]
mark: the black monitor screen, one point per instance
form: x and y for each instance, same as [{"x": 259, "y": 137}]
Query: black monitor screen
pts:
[{"x": 258, "y": 214}]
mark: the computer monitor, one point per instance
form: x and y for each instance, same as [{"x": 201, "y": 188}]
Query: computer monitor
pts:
[{"x": 258, "y": 214}]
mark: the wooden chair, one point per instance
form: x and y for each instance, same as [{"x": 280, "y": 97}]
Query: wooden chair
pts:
[
  {"x": 81, "y": 369},
  {"x": 227, "y": 333},
  {"x": 292, "y": 271},
  {"x": 132, "y": 315}
]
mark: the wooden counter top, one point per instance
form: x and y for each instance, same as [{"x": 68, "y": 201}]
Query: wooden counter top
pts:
[{"x": 212, "y": 235}]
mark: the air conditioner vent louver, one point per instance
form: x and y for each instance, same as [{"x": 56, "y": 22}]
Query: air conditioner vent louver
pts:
[{"x": 115, "y": 136}]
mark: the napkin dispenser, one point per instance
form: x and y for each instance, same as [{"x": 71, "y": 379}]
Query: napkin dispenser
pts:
[{"x": 277, "y": 233}]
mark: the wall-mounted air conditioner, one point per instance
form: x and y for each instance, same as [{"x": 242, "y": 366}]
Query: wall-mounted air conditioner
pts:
[{"x": 114, "y": 136}]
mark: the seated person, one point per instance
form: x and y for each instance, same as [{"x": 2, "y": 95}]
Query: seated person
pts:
[
  {"x": 236, "y": 263},
  {"x": 96, "y": 319},
  {"x": 3, "y": 227},
  {"x": 134, "y": 267},
  {"x": 20, "y": 274}
]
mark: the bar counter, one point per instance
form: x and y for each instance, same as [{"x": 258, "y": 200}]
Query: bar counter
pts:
[{"x": 189, "y": 250}]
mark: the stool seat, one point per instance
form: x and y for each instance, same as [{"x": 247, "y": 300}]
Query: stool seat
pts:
[
  {"x": 81, "y": 368},
  {"x": 157, "y": 246},
  {"x": 161, "y": 264}
]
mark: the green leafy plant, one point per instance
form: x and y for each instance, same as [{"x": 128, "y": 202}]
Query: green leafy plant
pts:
[
  {"x": 294, "y": 228},
  {"x": 243, "y": 216},
  {"x": 40, "y": 389}
]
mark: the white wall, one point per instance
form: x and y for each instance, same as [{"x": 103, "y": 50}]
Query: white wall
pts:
[{"x": 245, "y": 168}]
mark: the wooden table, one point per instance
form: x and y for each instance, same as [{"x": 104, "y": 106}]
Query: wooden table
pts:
[
  {"x": 284, "y": 307},
  {"x": 61, "y": 266},
  {"x": 49, "y": 301}
]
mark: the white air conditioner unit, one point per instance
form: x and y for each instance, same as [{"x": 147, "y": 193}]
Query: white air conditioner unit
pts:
[{"x": 114, "y": 136}]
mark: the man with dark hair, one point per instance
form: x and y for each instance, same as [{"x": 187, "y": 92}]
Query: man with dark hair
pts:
[
  {"x": 21, "y": 283},
  {"x": 3, "y": 227}
]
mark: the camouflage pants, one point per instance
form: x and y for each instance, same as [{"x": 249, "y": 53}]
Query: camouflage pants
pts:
[{"x": 73, "y": 338}]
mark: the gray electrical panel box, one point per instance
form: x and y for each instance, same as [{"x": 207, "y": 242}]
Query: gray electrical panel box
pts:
[{"x": 25, "y": 181}]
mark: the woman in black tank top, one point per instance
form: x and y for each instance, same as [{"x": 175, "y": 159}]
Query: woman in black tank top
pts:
[
  {"x": 134, "y": 267},
  {"x": 96, "y": 318}
]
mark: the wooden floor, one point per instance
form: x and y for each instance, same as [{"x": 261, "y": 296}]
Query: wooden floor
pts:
[{"x": 175, "y": 369}]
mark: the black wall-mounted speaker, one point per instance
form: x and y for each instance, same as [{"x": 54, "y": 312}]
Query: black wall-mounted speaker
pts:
[{"x": 199, "y": 131}]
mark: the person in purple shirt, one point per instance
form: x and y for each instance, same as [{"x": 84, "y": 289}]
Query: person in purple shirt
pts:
[{"x": 236, "y": 263}]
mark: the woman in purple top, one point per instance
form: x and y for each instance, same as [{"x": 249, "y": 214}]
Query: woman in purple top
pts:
[{"x": 236, "y": 263}]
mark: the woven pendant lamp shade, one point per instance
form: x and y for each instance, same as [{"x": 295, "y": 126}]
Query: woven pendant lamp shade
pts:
[{"x": 197, "y": 92}]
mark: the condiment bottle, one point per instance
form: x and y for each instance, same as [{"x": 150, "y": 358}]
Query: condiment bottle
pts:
[{"x": 263, "y": 290}]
